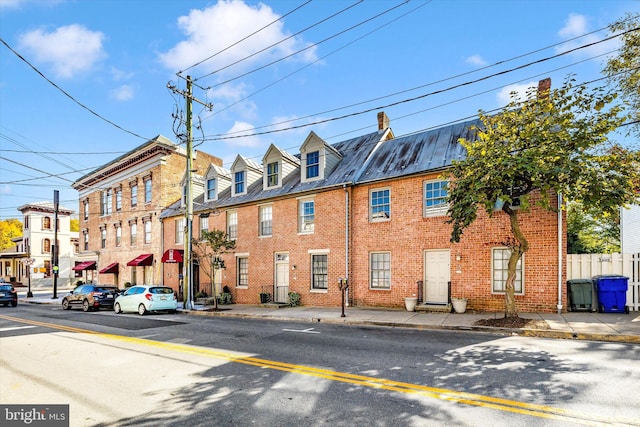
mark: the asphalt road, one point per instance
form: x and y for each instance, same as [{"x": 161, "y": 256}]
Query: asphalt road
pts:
[{"x": 119, "y": 370}]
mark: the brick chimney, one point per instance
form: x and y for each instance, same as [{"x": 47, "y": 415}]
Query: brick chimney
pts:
[
  {"x": 544, "y": 86},
  {"x": 383, "y": 121}
]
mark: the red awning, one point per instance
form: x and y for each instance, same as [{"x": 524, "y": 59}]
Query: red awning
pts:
[
  {"x": 111, "y": 268},
  {"x": 85, "y": 265},
  {"x": 141, "y": 260},
  {"x": 172, "y": 255}
]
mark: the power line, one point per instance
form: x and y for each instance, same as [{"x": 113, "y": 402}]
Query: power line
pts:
[
  {"x": 244, "y": 38},
  {"x": 306, "y": 48},
  {"x": 68, "y": 95},
  {"x": 393, "y": 104}
]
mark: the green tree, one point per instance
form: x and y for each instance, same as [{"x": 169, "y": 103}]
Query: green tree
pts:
[
  {"x": 552, "y": 143},
  {"x": 623, "y": 69},
  {"x": 591, "y": 233},
  {"x": 209, "y": 250},
  {"x": 9, "y": 229}
]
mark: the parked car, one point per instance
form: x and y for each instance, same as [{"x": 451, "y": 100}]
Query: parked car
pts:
[
  {"x": 91, "y": 297},
  {"x": 8, "y": 295},
  {"x": 146, "y": 298}
]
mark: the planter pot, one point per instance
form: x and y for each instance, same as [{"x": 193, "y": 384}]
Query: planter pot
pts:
[
  {"x": 459, "y": 304},
  {"x": 410, "y": 303}
]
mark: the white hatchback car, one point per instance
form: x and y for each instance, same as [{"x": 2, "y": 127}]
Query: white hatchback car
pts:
[{"x": 145, "y": 298}]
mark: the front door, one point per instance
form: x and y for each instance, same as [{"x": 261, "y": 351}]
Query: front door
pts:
[
  {"x": 282, "y": 278},
  {"x": 437, "y": 275}
]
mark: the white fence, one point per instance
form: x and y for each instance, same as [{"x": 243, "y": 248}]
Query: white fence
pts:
[{"x": 585, "y": 266}]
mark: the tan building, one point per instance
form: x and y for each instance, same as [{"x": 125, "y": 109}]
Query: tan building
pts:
[{"x": 119, "y": 205}]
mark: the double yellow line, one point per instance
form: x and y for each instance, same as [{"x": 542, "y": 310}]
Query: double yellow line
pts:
[{"x": 513, "y": 406}]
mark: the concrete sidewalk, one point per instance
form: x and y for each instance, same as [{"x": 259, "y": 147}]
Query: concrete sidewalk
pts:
[{"x": 611, "y": 327}]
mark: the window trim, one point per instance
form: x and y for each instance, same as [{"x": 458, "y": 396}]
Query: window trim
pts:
[
  {"x": 386, "y": 215},
  {"x": 521, "y": 269},
  {"x": 232, "y": 234},
  {"x": 371, "y": 270},
  {"x": 242, "y": 182},
  {"x": 240, "y": 257},
  {"x": 314, "y": 166},
  {"x": 438, "y": 209},
  {"x": 262, "y": 222},
  {"x": 312, "y": 273},
  {"x": 272, "y": 175},
  {"x": 301, "y": 216}
]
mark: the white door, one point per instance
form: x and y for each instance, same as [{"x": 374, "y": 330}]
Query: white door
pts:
[
  {"x": 282, "y": 278},
  {"x": 437, "y": 274}
]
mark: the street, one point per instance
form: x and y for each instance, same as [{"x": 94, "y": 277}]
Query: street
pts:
[{"x": 119, "y": 370}]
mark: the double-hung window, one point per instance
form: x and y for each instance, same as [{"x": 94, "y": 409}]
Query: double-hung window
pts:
[
  {"x": 179, "y": 231},
  {"x": 242, "y": 278},
  {"x": 239, "y": 182},
  {"x": 435, "y": 198},
  {"x": 147, "y": 232},
  {"x": 148, "y": 185},
  {"x": 380, "y": 270},
  {"x": 272, "y": 174},
  {"x": 319, "y": 271},
  {"x": 306, "y": 216},
  {"x": 232, "y": 225},
  {"x": 133, "y": 227},
  {"x": 499, "y": 270},
  {"x": 313, "y": 164},
  {"x": 379, "y": 205},
  {"x": 265, "y": 220},
  {"x": 211, "y": 189}
]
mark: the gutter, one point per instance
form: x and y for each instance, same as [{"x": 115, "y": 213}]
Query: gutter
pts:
[{"x": 560, "y": 257}]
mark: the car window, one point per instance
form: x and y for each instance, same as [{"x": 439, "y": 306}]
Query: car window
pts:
[
  {"x": 161, "y": 290},
  {"x": 80, "y": 289},
  {"x": 106, "y": 289},
  {"x": 6, "y": 287}
]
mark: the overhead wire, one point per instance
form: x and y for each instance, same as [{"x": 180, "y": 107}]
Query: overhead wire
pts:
[
  {"x": 278, "y": 42},
  {"x": 307, "y": 47},
  {"x": 425, "y": 95},
  {"x": 244, "y": 38}
]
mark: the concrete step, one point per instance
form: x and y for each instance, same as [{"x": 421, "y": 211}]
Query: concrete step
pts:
[{"x": 434, "y": 308}]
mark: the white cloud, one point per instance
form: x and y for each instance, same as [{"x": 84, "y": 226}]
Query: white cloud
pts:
[
  {"x": 241, "y": 128},
  {"x": 211, "y": 30},
  {"x": 70, "y": 49},
  {"x": 123, "y": 93},
  {"x": 476, "y": 60},
  {"x": 504, "y": 96},
  {"x": 16, "y": 4},
  {"x": 575, "y": 26}
]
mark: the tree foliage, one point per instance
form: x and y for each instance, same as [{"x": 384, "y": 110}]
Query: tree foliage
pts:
[
  {"x": 589, "y": 232},
  {"x": 552, "y": 143},
  {"x": 623, "y": 69},
  {"x": 9, "y": 229},
  {"x": 209, "y": 250}
]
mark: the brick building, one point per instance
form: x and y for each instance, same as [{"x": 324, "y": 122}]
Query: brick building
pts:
[
  {"x": 119, "y": 205},
  {"x": 370, "y": 208}
]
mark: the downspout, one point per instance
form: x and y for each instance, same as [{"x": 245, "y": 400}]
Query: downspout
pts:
[
  {"x": 346, "y": 239},
  {"x": 560, "y": 257}
]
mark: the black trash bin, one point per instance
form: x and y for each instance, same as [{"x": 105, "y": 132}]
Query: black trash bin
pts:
[
  {"x": 580, "y": 292},
  {"x": 612, "y": 293}
]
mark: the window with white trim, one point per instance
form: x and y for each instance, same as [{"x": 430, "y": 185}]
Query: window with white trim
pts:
[
  {"x": 148, "y": 186},
  {"x": 118, "y": 192},
  {"x": 211, "y": 189},
  {"x": 435, "y": 197},
  {"x": 118, "y": 235},
  {"x": 319, "y": 271},
  {"x": 134, "y": 195},
  {"x": 313, "y": 164},
  {"x": 266, "y": 223},
  {"x": 242, "y": 273},
  {"x": 499, "y": 270},
  {"x": 179, "y": 223},
  {"x": 379, "y": 205},
  {"x": 272, "y": 174},
  {"x": 204, "y": 225},
  {"x": 239, "y": 182},
  {"x": 232, "y": 225},
  {"x": 306, "y": 215},
  {"x": 380, "y": 270}
]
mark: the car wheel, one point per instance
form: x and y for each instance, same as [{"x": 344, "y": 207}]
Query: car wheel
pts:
[
  {"x": 142, "y": 309},
  {"x": 85, "y": 305},
  {"x": 65, "y": 304},
  {"x": 117, "y": 308},
  {"x": 15, "y": 304}
]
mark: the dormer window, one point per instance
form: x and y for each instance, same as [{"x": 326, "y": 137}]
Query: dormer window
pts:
[
  {"x": 272, "y": 174},
  {"x": 239, "y": 182},
  {"x": 211, "y": 189},
  {"x": 313, "y": 164}
]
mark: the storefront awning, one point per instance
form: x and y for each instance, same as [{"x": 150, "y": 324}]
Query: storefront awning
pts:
[
  {"x": 111, "y": 268},
  {"x": 85, "y": 265},
  {"x": 172, "y": 255},
  {"x": 141, "y": 261}
]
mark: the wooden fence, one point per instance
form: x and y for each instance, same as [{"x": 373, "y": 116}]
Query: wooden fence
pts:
[{"x": 585, "y": 266}]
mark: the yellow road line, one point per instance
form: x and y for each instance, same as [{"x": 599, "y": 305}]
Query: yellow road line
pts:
[{"x": 541, "y": 411}]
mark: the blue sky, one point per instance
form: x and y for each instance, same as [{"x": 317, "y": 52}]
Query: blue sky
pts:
[{"x": 265, "y": 66}]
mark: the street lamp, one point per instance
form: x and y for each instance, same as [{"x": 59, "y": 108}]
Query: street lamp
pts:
[{"x": 28, "y": 262}]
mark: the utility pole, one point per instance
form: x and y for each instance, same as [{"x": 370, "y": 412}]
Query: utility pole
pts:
[
  {"x": 56, "y": 197},
  {"x": 188, "y": 212}
]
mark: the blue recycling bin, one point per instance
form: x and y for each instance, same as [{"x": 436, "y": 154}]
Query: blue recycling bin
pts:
[{"x": 612, "y": 293}]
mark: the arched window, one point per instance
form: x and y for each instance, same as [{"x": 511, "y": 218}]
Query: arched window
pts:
[
  {"x": 46, "y": 246},
  {"x": 46, "y": 223}
]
